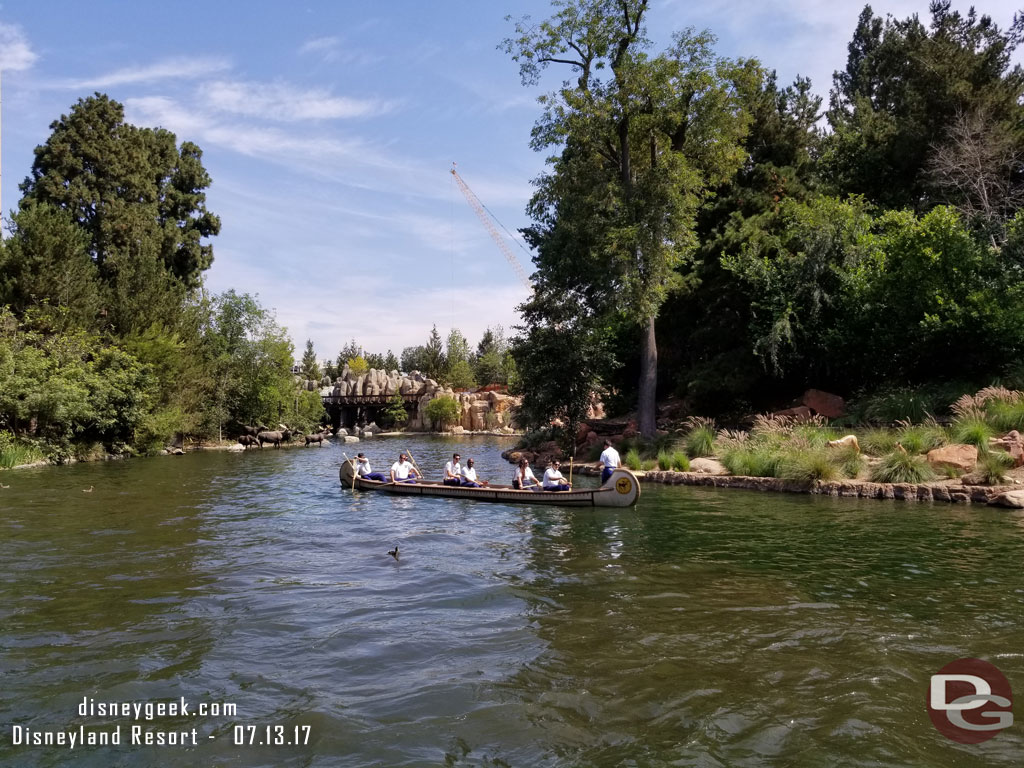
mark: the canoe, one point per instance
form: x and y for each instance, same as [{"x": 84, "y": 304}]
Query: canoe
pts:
[{"x": 621, "y": 490}]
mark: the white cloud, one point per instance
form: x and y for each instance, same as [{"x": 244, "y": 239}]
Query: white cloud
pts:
[
  {"x": 332, "y": 50},
  {"x": 177, "y": 68},
  {"x": 321, "y": 45},
  {"x": 15, "y": 51},
  {"x": 285, "y": 103}
]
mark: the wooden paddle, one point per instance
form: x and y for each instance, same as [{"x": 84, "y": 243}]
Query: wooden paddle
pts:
[
  {"x": 570, "y": 473},
  {"x": 409, "y": 454},
  {"x": 355, "y": 470}
]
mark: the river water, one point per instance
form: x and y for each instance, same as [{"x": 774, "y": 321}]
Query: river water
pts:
[{"x": 709, "y": 628}]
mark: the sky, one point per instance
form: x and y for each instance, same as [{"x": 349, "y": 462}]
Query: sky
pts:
[{"x": 329, "y": 130}]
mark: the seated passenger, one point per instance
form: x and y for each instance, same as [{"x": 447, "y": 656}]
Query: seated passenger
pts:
[
  {"x": 401, "y": 470},
  {"x": 524, "y": 477},
  {"x": 453, "y": 471},
  {"x": 469, "y": 479},
  {"x": 553, "y": 479},
  {"x": 363, "y": 469}
]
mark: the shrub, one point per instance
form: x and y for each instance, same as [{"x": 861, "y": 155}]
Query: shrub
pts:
[
  {"x": 752, "y": 460},
  {"x": 849, "y": 461},
  {"x": 632, "y": 459},
  {"x": 992, "y": 467},
  {"x": 878, "y": 442},
  {"x": 679, "y": 462},
  {"x": 900, "y": 467},
  {"x": 700, "y": 436},
  {"x": 972, "y": 429},
  {"x": 649, "y": 464},
  {"x": 664, "y": 460},
  {"x": 1005, "y": 416},
  {"x": 921, "y": 438},
  {"x": 443, "y": 411},
  {"x": 14, "y": 452},
  {"x": 806, "y": 465}
]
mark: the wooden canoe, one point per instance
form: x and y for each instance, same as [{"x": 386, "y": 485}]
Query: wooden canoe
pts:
[{"x": 621, "y": 490}]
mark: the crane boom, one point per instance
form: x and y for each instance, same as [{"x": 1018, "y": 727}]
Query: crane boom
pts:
[{"x": 482, "y": 214}]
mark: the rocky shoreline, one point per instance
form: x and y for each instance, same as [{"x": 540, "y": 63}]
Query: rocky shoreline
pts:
[{"x": 1010, "y": 496}]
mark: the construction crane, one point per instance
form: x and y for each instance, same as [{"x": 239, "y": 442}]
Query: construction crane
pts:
[{"x": 488, "y": 220}]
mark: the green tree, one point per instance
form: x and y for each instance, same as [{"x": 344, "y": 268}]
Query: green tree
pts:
[
  {"x": 490, "y": 356},
  {"x": 310, "y": 367},
  {"x": 460, "y": 376},
  {"x": 905, "y": 87},
  {"x": 641, "y": 150},
  {"x": 414, "y": 359},
  {"x": 433, "y": 356},
  {"x": 357, "y": 366},
  {"x": 395, "y": 413},
  {"x": 131, "y": 189},
  {"x": 391, "y": 362},
  {"x": 443, "y": 412},
  {"x": 375, "y": 360}
]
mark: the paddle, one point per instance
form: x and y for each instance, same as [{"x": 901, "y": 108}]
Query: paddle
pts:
[
  {"x": 409, "y": 454},
  {"x": 355, "y": 470},
  {"x": 570, "y": 473}
]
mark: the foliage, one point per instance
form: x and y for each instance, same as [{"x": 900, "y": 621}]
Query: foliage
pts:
[
  {"x": 395, "y": 413},
  {"x": 921, "y": 438},
  {"x": 434, "y": 360},
  {"x": 309, "y": 365},
  {"x": 391, "y": 362},
  {"x": 680, "y": 462},
  {"x": 992, "y": 467},
  {"x": 700, "y": 436},
  {"x": 414, "y": 359},
  {"x": 491, "y": 352},
  {"x": 307, "y": 412},
  {"x": 357, "y": 365},
  {"x": 460, "y": 376},
  {"x": 643, "y": 142},
  {"x": 443, "y": 412},
  {"x": 809, "y": 464},
  {"x": 14, "y": 452},
  {"x": 878, "y": 441},
  {"x": 901, "y": 467},
  {"x": 632, "y": 459},
  {"x": 972, "y": 429}
]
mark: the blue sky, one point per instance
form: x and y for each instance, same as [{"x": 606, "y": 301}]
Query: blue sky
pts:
[{"x": 329, "y": 129}]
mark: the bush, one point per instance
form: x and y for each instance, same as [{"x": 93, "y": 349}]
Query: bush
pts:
[
  {"x": 921, "y": 438},
  {"x": 752, "y": 460},
  {"x": 972, "y": 429},
  {"x": 807, "y": 465},
  {"x": 900, "y": 467},
  {"x": 14, "y": 452},
  {"x": 1005, "y": 416},
  {"x": 700, "y": 436},
  {"x": 632, "y": 459},
  {"x": 664, "y": 460},
  {"x": 443, "y": 411},
  {"x": 878, "y": 442},
  {"x": 679, "y": 462},
  {"x": 992, "y": 467},
  {"x": 647, "y": 465},
  {"x": 849, "y": 461}
]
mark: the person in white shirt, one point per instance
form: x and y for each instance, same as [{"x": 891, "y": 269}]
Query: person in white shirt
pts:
[
  {"x": 553, "y": 479},
  {"x": 453, "y": 471},
  {"x": 469, "y": 479},
  {"x": 524, "y": 477},
  {"x": 610, "y": 460},
  {"x": 401, "y": 470},
  {"x": 364, "y": 470}
]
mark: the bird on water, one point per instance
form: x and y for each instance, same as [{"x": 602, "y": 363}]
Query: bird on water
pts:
[
  {"x": 87, "y": 490},
  {"x": 394, "y": 552}
]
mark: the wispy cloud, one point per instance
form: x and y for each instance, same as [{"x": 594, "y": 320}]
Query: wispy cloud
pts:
[
  {"x": 15, "y": 51},
  {"x": 178, "y": 68},
  {"x": 333, "y": 50},
  {"x": 285, "y": 103}
]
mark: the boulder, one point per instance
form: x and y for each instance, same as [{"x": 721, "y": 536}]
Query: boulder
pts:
[
  {"x": 957, "y": 456},
  {"x": 458, "y": 430},
  {"x": 800, "y": 413},
  {"x": 236, "y": 447},
  {"x": 342, "y": 432},
  {"x": 708, "y": 466},
  {"x": 825, "y": 403},
  {"x": 351, "y": 439},
  {"x": 1011, "y": 499}
]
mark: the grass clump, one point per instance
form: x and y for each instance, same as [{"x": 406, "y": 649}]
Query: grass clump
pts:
[
  {"x": 664, "y": 460},
  {"x": 921, "y": 438},
  {"x": 13, "y": 452},
  {"x": 648, "y": 465},
  {"x": 900, "y": 467},
  {"x": 972, "y": 429},
  {"x": 878, "y": 442},
  {"x": 752, "y": 460},
  {"x": 807, "y": 465},
  {"x": 992, "y": 467},
  {"x": 680, "y": 463},
  {"x": 700, "y": 436},
  {"x": 632, "y": 459}
]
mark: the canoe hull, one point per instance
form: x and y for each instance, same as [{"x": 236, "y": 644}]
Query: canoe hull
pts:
[{"x": 621, "y": 490}]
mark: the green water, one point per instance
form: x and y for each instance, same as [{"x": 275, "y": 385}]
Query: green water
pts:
[{"x": 709, "y": 628}]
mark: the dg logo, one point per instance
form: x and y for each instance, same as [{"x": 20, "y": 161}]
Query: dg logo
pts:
[
  {"x": 623, "y": 485},
  {"x": 969, "y": 701}
]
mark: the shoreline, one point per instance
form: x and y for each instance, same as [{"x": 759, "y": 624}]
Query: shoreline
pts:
[{"x": 947, "y": 492}]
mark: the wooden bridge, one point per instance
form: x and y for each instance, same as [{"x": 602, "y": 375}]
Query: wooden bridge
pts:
[{"x": 351, "y": 410}]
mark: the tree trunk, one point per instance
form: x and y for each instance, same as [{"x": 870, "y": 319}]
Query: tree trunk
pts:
[{"x": 646, "y": 408}]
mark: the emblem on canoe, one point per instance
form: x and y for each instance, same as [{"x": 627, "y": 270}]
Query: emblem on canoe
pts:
[{"x": 623, "y": 485}]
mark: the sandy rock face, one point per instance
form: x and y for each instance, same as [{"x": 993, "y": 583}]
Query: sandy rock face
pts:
[
  {"x": 708, "y": 466},
  {"x": 1011, "y": 499},
  {"x": 958, "y": 456}
]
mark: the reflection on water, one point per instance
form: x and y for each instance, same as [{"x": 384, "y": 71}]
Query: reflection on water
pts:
[{"x": 705, "y": 627}]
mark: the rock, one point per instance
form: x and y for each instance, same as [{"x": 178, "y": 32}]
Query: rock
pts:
[
  {"x": 1011, "y": 499},
  {"x": 236, "y": 448},
  {"x": 708, "y": 467},
  {"x": 800, "y": 413},
  {"x": 459, "y": 430},
  {"x": 824, "y": 403},
  {"x": 341, "y": 432},
  {"x": 351, "y": 439},
  {"x": 957, "y": 456}
]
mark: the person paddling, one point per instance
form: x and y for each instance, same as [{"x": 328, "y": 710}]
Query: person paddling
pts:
[
  {"x": 401, "y": 470},
  {"x": 554, "y": 480},
  {"x": 469, "y": 478},
  {"x": 364, "y": 470}
]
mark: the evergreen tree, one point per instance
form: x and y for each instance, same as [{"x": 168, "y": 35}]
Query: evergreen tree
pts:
[
  {"x": 433, "y": 356},
  {"x": 310, "y": 368}
]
